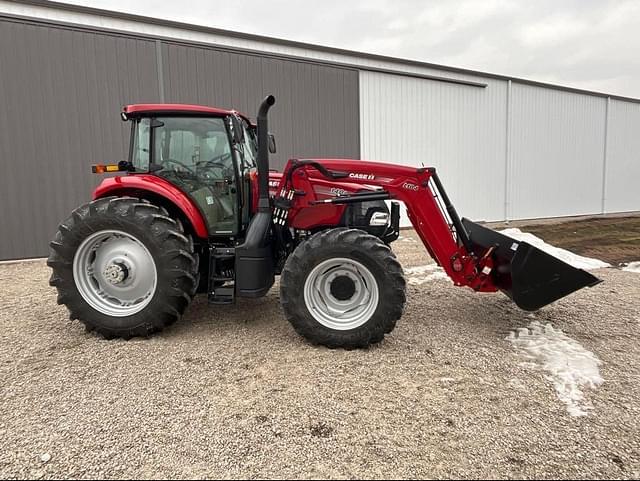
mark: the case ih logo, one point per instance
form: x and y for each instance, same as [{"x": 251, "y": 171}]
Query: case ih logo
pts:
[
  {"x": 362, "y": 176},
  {"x": 410, "y": 186}
]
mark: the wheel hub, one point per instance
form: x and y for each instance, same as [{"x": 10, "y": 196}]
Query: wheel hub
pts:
[
  {"x": 116, "y": 273},
  {"x": 341, "y": 293},
  {"x": 342, "y": 287}
]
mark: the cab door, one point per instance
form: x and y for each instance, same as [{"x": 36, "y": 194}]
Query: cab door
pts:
[
  {"x": 195, "y": 154},
  {"x": 248, "y": 152}
]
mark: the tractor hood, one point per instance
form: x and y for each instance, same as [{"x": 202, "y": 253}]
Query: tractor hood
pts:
[{"x": 323, "y": 187}]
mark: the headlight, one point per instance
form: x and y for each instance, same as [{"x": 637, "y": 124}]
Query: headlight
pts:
[{"x": 379, "y": 219}]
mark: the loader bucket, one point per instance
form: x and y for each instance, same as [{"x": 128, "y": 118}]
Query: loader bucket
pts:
[{"x": 528, "y": 275}]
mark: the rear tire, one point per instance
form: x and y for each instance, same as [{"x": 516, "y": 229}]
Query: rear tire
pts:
[
  {"x": 140, "y": 255},
  {"x": 343, "y": 288}
]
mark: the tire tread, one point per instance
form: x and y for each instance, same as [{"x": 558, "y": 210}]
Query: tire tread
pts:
[
  {"x": 343, "y": 242},
  {"x": 176, "y": 262}
]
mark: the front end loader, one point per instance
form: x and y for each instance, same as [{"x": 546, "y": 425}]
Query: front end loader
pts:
[{"x": 196, "y": 209}]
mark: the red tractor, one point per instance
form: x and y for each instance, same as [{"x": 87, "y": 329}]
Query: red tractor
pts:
[{"x": 198, "y": 210}]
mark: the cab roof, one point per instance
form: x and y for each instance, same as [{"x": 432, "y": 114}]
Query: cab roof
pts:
[{"x": 143, "y": 110}]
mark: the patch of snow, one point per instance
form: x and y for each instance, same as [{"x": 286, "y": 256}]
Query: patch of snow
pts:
[
  {"x": 427, "y": 273},
  {"x": 569, "y": 257},
  {"x": 570, "y": 366},
  {"x": 632, "y": 267}
]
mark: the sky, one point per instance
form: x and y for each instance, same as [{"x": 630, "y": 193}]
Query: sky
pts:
[{"x": 589, "y": 44}]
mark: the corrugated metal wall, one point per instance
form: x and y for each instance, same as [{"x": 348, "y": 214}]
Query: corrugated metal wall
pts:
[
  {"x": 61, "y": 90},
  {"x": 458, "y": 129},
  {"x": 510, "y": 150},
  {"x": 557, "y": 152},
  {"x": 507, "y": 151},
  {"x": 316, "y": 111},
  {"x": 622, "y": 172}
]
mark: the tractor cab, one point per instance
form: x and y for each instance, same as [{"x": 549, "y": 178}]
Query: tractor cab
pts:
[{"x": 206, "y": 153}]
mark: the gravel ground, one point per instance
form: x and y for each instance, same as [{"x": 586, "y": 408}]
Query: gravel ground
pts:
[{"x": 233, "y": 392}]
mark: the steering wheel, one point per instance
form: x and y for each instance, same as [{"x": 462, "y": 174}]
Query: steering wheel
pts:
[
  {"x": 216, "y": 161},
  {"x": 184, "y": 166},
  {"x": 214, "y": 167},
  {"x": 219, "y": 158}
]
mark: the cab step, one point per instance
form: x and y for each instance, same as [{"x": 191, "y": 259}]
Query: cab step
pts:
[
  {"x": 222, "y": 295},
  {"x": 222, "y": 288}
]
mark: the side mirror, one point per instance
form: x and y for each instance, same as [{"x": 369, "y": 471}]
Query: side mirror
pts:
[
  {"x": 272, "y": 143},
  {"x": 237, "y": 132}
]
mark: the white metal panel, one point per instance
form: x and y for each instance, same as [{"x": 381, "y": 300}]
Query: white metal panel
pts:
[
  {"x": 556, "y": 153},
  {"x": 622, "y": 177},
  {"x": 458, "y": 129}
]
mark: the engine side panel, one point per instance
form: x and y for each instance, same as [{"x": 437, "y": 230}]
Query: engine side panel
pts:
[{"x": 320, "y": 216}]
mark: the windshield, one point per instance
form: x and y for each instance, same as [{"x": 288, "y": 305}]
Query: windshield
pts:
[
  {"x": 140, "y": 145},
  {"x": 249, "y": 146}
]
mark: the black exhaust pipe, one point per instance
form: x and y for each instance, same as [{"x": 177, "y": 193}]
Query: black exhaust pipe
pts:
[
  {"x": 263, "y": 153},
  {"x": 255, "y": 273}
]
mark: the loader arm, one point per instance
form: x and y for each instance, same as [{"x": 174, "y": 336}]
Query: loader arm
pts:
[
  {"x": 470, "y": 254},
  {"x": 443, "y": 235}
]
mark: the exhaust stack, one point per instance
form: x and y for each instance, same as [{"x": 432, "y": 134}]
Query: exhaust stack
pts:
[
  {"x": 263, "y": 153},
  {"x": 255, "y": 272}
]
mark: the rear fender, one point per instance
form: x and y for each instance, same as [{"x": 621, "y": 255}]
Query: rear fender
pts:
[{"x": 151, "y": 186}]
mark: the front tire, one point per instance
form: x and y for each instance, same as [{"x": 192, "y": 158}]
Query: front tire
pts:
[
  {"x": 123, "y": 267},
  {"x": 343, "y": 288}
]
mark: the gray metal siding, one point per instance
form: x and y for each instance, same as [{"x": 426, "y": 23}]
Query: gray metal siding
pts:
[
  {"x": 316, "y": 111},
  {"x": 61, "y": 90},
  {"x": 157, "y": 28}
]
